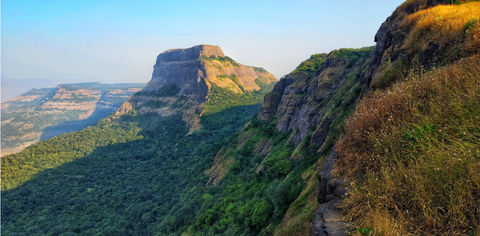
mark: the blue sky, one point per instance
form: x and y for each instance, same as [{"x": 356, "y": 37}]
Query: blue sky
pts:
[{"x": 117, "y": 41}]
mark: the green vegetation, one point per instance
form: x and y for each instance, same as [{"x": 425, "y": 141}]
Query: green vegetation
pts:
[
  {"x": 352, "y": 54},
  {"x": 138, "y": 174},
  {"x": 312, "y": 64},
  {"x": 220, "y": 59},
  {"x": 19, "y": 168},
  {"x": 222, "y": 98},
  {"x": 253, "y": 199}
]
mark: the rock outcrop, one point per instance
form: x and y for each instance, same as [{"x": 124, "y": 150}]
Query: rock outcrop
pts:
[
  {"x": 409, "y": 39},
  {"x": 302, "y": 102},
  {"x": 194, "y": 70},
  {"x": 191, "y": 73}
]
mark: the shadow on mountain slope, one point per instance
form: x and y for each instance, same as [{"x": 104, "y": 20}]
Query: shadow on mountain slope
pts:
[{"x": 72, "y": 126}]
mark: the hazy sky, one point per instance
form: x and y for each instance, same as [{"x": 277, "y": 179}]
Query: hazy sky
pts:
[{"x": 117, "y": 41}]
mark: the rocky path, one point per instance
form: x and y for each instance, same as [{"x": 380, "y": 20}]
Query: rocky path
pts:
[{"x": 328, "y": 220}]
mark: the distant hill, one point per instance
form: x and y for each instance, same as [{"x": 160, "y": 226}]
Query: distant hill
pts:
[{"x": 40, "y": 114}]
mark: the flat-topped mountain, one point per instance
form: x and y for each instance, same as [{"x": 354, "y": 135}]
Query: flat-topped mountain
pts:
[
  {"x": 198, "y": 80},
  {"x": 40, "y": 114},
  {"x": 195, "y": 70}
]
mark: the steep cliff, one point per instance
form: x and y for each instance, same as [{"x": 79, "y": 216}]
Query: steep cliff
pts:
[
  {"x": 423, "y": 34},
  {"x": 306, "y": 103},
  {"x": 190, "y": 81}
]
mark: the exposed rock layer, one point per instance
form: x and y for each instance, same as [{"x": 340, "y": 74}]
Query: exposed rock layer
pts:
[
  {"x": 183, "y": 78},
  {"x": 302, "y": 102}
]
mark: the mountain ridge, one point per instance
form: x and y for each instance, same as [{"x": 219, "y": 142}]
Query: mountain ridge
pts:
[{"x": 40, "y": 114}]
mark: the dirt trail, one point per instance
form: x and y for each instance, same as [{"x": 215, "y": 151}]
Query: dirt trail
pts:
[{"x": 328, "y": 220}]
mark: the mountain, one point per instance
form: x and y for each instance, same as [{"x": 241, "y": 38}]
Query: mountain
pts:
[
  {"x": 40, "y": 114},
  {"x": 210, "y": 80},
  {"x": 142, "y": 168},
  {"x": 380, "y": 140}
]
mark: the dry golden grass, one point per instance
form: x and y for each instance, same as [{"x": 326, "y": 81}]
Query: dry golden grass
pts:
[
  {"x": 443, "y": 25},
  {"x": 411, "y": 155},
  {"x": 433, "y": 36}
]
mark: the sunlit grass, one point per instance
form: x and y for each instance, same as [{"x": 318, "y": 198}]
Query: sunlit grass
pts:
[
  {"x": 443, "y": 24},
  {"x": 411, "y": 155}
]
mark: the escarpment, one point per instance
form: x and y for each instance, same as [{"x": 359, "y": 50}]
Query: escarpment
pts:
[
  {"x": 294, "y": 132},
  {"x": 307, "y": 102},
  {"x": 187, "y": 80}
]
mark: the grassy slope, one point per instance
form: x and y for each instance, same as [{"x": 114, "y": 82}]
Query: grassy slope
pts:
[{"x": 411, "y": 152}]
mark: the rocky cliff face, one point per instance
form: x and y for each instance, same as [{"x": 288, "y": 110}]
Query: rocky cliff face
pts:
[
  {"x": 183, "y": 79},
  {"x": 194, "y": 70},
  {"x": 296, "y": 127},
  {"x": 303, "y": 103}
]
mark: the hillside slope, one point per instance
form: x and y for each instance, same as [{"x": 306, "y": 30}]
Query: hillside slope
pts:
[
  {"x": 40, "y": 114},
  {"x": 410, "y": 151},
  {"x": 140, "y": 170}
]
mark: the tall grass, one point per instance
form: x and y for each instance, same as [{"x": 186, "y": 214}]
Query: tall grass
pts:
[{"x": 411, "y": 155}]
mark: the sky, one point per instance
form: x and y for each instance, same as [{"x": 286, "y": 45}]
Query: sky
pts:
[{"x": 111, "y": 41}]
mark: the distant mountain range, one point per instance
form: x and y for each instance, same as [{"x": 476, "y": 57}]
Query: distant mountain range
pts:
[{"x": 40, "y": 114}]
